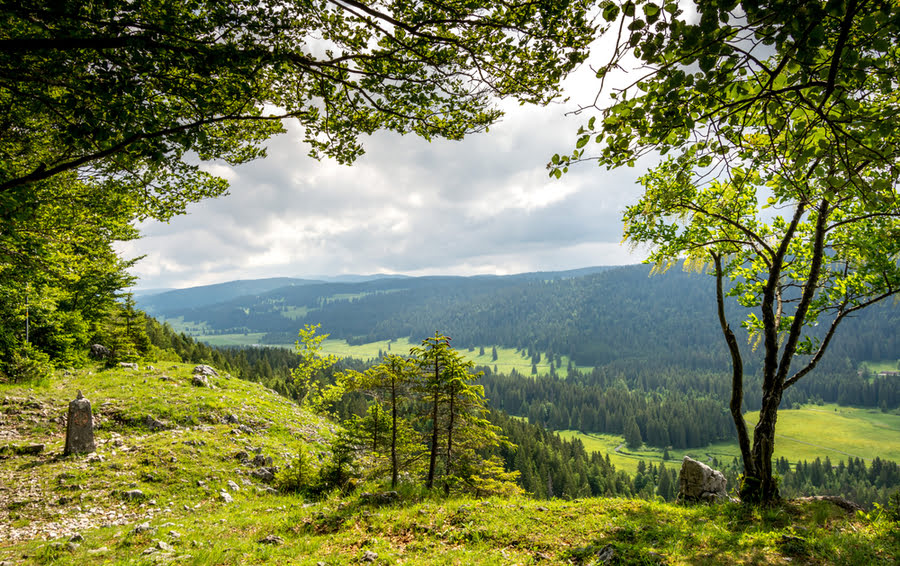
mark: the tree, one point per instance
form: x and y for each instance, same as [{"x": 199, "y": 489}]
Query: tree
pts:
[
  {"x": 392, "y": 378},
  {"x": 633, "y": 434},
  {"x": 133, "y": 93},
  {"x": 59, "y": 268},
  {"x": 780, "y": 175},
  {"x": 433, "y": 357},
  {"x": 313, "y": 391}
]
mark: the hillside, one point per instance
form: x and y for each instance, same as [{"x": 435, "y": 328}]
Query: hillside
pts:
[
  {"x": 593, "y": 317},
  {"x": 179, "y": 445}
]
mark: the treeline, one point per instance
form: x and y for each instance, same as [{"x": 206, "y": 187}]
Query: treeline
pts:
[
  {"x": 620, "y": 314},
  {"x": 854, "y": 479},
  {"x": 552, "y": 467},
  {"x": 864, "y": 484},
  {"x": 663, "y": 419}
]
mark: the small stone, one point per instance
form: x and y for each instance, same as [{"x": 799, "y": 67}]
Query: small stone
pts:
[
  {"x": 541, "y": 508},
  {"x": 233, "y": 486},
  {"x": 100, "y": 550},
  {"x": 271, "y": 539},
  {"x": 76, "y": 538},
  {"x": 142, "y": 528},
  {"x": 226, "y": 497},
  {"x": 369, "y": 556},
  {"x": 164, "y": 546},
  {"x": 133, "y": 494},
  {"x": 175, "y": 534}
]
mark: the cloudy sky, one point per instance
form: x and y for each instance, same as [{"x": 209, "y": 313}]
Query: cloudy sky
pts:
[{"x": 482, "y": 205}]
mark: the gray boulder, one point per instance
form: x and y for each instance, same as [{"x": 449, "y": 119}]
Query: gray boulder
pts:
[
  {"x": 205, "y": 370},
  {"x": 99, "y": 352},
  {"x": 699, "y": 482}
]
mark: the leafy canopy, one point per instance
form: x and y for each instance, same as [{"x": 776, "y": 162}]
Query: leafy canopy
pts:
[
  {"x": 777, "y": 123},
  {"x": 139, "y": 92}
]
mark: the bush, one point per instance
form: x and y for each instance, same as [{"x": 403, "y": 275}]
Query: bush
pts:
[{"x": 27, "y": 364}]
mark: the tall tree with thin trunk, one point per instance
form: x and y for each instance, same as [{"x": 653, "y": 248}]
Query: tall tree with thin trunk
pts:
[{"x": 778, "y": 125}]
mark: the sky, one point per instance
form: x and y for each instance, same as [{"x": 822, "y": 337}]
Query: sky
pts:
[{"x": 483, "y": 205}]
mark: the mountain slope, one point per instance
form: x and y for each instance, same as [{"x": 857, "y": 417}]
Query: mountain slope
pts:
[
  {"x": 595, "y": 316},
  {"x": 158, "y": 434}
]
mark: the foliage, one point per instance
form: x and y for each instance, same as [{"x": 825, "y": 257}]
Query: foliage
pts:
[
  {"x": 141, "y": 90},
  {"x": 313, "y": 392},
  {"x": 59, "y": 272},
  {"x": 782, "y": 171}
]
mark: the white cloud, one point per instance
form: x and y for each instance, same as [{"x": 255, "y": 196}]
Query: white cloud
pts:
[{"x": 481, "y": 205}]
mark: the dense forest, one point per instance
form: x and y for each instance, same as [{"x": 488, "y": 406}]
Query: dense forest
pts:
[
  {"x": 593, "y": 318},
  {"x": 666, "y": 405}
]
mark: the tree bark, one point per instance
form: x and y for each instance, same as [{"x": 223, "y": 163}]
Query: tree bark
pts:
[
  {"x": 393, "y": 431},
  {"x": 432, "y": 462},
  {"x": 737, "y": 375}
]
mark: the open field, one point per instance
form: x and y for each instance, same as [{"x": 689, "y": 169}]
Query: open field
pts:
[
  {"x": 508, "y": 359},
  {"x": 883, "y": 365},
  {"x": 805, "y": 433}
]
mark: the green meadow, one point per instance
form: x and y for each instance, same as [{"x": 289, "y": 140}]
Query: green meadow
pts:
[
  {"x": 508, "y": 359},
  {"x": 804, "y": 433}
]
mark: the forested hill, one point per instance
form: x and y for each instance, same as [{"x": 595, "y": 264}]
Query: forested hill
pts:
[{"x": 595, "y": 316}]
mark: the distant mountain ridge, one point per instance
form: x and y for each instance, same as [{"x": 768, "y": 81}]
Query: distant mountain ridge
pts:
[{"x": 595, "y": 316}]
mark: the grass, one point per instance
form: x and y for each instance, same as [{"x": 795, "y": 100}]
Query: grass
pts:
[
  {"x": 804, "y": 433},
  {"x": 46, "y": 498},
  {"x": 882, "y": 365}
]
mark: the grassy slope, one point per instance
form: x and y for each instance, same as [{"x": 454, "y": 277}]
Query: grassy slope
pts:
[
  {"x": 46, "y": 498},
  {"x": 805, "y": 433}
]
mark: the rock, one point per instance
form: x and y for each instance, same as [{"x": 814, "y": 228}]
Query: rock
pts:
[
  {"x": 382, "y": 498},
  {"x": 230, "y": 419},
  {"x": 199, "y": 381},
  {"x": 541, "y": 508},
  {"x": 369, "y": 556},
  {"x": 133, "y": 494},
  {"x": 100, "y": 550},
  {"x": 128, "y": 365},
  {"x": 205, "y": 370},
  {"x": 259, "y": 461},
  {"x": 246, "y": 429},
  {"x": 606, "y": 555},
  {"x": 233, "y": 486},
  {"x": 142, "y": 528},
  {"x": 76, "y": 538},
  {"x": 80, "y": 427},
  {"x": 265, "y": 475},
  {"x": 99, "y": 352},
  {"x": 29, "y": 449},
  {"x": 242, "y": 456},
  {"x": 271, "y": 539},
  {"x": 845, "y": 504},
  {"x": 699, "y": 482},
  {"x": 226, "y": 497},
  {"x": 152, "y": 423}
]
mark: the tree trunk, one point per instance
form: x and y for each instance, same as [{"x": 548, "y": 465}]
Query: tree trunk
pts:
[
  {"x": 449, "y": 439},
  {"x": 432, "y": 462},
  {"x": 393, "y": 431},
  {"x": 737, "y": 377}
]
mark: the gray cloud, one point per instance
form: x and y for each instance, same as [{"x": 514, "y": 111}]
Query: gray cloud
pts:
[{"x": 481, "y": 205}]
